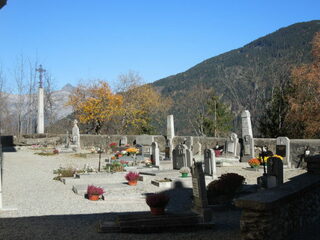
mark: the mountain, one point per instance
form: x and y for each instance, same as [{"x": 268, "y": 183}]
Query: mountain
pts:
[{"x": 244, "y": 77}]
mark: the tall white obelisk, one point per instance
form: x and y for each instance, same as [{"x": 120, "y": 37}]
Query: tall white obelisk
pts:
[{"x": 40, "y": 123}]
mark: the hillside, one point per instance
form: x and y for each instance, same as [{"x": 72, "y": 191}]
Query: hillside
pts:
[{"x": 243, "y": 77}]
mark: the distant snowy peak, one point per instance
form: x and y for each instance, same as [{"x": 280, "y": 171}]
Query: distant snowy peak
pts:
[{"x": 68, "y": 88}]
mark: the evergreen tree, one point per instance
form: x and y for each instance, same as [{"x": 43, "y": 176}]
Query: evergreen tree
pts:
[{"x": 218, "y": 118}]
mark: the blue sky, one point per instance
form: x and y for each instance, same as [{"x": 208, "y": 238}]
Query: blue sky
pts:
[{"x": 100, "y": 39}]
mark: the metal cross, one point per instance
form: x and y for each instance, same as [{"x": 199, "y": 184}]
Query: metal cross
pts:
[{"x": 40, "y": 70}]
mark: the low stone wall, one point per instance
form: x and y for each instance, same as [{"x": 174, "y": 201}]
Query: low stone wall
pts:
[{"x": 281, "y": 212}]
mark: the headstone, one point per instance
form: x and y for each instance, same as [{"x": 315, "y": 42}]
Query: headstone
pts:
[
  {"x": 189, "y": 157},
  {"x": 232, "y": 145},
  {"x": 200, "y": 200},
  {"x": 145, "y": 141},
  {"x": 246, "y": 123},
  {"x": 210, "y": 163},
  {"x": 123, "y": 141},
  {"x": 197, "y": 148},
  {"x": 76, "y": 135},
  {"x": 283, "y": 149},
  {"x": 275, "y": 168},
  {"x": 179, "y": 155},
  {"x": 170, "y": 127},
  {"x": 155, "y": 154},
  {"x": 247, "y": 136}
]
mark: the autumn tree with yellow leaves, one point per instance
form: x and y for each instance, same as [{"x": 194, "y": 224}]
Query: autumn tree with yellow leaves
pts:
[
  {"x": 95, "y": 105},
  {"x": 135, "y": 109}
]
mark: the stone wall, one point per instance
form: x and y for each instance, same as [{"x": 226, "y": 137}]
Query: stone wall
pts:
[{"x": 282, "y": 212}]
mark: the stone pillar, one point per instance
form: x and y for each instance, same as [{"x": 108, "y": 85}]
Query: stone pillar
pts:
[
  {"x": 170, "y": 127},
  {"x": 247, "y": 136},
  {"x": 155, "y": 153},
  {"x": 40, "y": 128}
]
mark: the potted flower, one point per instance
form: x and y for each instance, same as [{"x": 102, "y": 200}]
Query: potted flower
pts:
[
  {"x": 254, "y": 163},
  {"x": 94, "y": 192},
  {"x": 132, "y": 178},
  {"x": 113, "y": 146},
  {"x": 184, "y": 171},
  {"x": 132, "y": 151},
  {"x": 157, "y": 203}
]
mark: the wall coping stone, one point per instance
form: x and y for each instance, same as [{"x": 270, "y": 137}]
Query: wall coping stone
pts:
[{"x": 273, "y": 197}]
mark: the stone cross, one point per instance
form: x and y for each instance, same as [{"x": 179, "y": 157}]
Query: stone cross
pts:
[{"x": 40, "y": 123}]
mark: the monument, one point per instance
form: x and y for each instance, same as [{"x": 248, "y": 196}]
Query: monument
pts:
[
  {"x": 76, "y": 136},
  {"x": 40, "y": 123},
  {"x": 247, "y": 136}
]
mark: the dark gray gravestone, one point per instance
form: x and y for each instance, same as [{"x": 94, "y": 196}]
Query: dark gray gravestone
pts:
[
  {"x": 179, "y": 156},
  {"x": 200, "y": 200},
  {"x": 275, "y": 168}
]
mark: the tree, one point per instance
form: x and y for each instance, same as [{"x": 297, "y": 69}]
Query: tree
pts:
[
  {"x": 143, "y": 107},
  {"x": 218, "y": 118},
  {"x": 95, "y": 105},
  {"x": 304, "y": 100}
]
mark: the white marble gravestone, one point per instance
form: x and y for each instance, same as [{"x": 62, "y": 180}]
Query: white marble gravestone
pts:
[
  {"x": 76, "y": 135},
  {"x": 197, "y": 148},
  {"x": 232, "y": 145}
]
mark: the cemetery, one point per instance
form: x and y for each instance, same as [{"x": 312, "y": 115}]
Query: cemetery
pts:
[{"x": 199, "y": 183}]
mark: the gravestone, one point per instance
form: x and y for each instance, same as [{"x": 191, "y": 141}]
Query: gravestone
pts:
[
  {"x": 123, "y": 141},
  {"x": 76, "y": 136},
  {"x": 155, "y": 156},
  {"x": 275, "y": 168},
  {"x": 200, "y": 200},
  {"x": 145, "y": 141},
  {"x": 197, "y": 148},
  {"x": 232, "y": 145},
  {"x": 283, "y": 149},
  {"x": 189, "y": 157},
  {"x": 247, "y": 136},
  {"x": 210, "y": 163},
  {"x": 179, "y": 155}
]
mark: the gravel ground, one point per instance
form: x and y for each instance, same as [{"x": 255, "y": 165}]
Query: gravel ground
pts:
[{"x": 48, "y": 209}]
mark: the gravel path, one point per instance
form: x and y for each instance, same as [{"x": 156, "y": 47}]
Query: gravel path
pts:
[{"x": 48, "y": 209}]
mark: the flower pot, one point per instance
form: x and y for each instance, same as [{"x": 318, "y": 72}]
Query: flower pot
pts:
[
  {"x": 94, "y": 197},
  {"x": 184, "y": 174},
  {"x": 157, "y": 210},
  {"x": 133, "y": 183}
]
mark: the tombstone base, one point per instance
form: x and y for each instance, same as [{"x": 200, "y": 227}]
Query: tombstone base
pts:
[
  {"x": 205, "y": 214},
  {"x": 267, "y": 181}
]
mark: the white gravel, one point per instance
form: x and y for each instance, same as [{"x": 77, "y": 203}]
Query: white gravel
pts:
[{"x": 48, "y": 209}]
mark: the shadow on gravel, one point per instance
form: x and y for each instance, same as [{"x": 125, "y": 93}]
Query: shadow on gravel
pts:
[{"x": 85, "y": 226}]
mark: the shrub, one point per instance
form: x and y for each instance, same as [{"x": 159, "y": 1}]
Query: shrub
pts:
[
  {"x": 157, "y": 200},
  {"x": 93, "y": 190},
  {"x": 226, "y": 186},
  {"x": 132, "y": 176},
  {"x": 254, "y": 162}
]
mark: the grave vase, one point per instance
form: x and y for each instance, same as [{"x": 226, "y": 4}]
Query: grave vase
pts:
[
  {"x": 133, "y": 183},
  {"x": 157, "y": 210},
  {"x": 184, "y": 175},
  {"x": 94, "y": 197}
]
